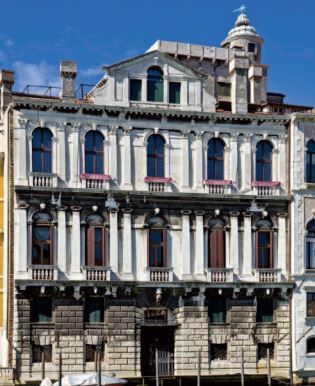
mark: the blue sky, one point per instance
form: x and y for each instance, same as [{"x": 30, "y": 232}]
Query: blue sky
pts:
[{"x": 36, "y": 34}]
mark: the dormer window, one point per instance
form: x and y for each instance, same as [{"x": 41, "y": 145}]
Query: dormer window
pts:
[
  {"x": 135, "y": 89},
  {"x": 251, "y": 47},
  {"x": 155, "y": 90},
  {"x": 174, "y": 92}
]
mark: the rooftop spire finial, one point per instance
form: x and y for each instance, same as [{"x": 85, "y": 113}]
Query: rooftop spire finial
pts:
[{"x": 241, "y": 9}]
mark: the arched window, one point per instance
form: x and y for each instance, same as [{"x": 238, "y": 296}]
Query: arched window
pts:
[
  {"x": 155, "y": 156},
  {"x": 155, "y": 91},
  {"x": 42, "y": 150},
  {"x": 215, "y": 159},
  {"x": 95, "y": 241},
  {"x": 310, "y": 161},
  {"x": 263, "y": 161},
  {"x": 156, "y": 242},
  {"x": 264, "y": 239},
  {"x": 310, "y": 345},
  {"x": 310, "y": 245},
  {"x": 216, "y": 241},
  {"x": 94, "y": 153},
  {"x": 42, "y": 239}
]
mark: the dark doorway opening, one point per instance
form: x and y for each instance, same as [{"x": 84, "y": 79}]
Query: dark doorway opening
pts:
[{"x": 162, "y": 340}]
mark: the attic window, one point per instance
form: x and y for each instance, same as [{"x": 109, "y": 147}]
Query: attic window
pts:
[
  {"x": 135, "y": 89},
  {"x": 155, "y": 90},
  {"x": 224, "y": 89},
  {"x": 174, "y": 92},
  {"x": 251, "y": 47}
]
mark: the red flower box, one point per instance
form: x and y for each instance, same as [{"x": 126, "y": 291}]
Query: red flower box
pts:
[
  {"x": 104, "y": 177},
  {"x": 158, "y": 179},
  {"x": 265, "y": 183},
  {"x": 217, "y": 182}
]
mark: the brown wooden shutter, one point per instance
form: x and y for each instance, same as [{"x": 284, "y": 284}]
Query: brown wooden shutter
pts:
[
  {"x": 220, "y": 248},
  {"x": 90, "y": 246},
  {"x": 212, "y": 249}
]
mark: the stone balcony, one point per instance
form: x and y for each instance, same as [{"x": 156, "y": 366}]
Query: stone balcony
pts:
[
  {"x": 157, "y": 184},
  {"x": 95, "y": 181},
  {"x": 220, "y": 275},
  {"x": 7, "y": 375},
  {"x": 267, "y": 275},
  {"x": 43, "y": 272},
  {"x": 266, "y": 188},
  {"x": 157, "y": 274},
  {"x": 218, "y": 186},
  {"x": 46, "y": 180},
  {"x": 96, "y": 273}
]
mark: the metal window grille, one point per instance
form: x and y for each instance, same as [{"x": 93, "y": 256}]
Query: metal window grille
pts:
[
  {"x": 218, "y": 351},
  {"x": 262, "y": 350},
  {"x": 91, "y": 351},
  {"x": 38, "y": 350}
]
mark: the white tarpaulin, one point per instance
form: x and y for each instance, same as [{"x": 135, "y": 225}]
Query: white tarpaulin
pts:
[{"x": 85, "y": 379}]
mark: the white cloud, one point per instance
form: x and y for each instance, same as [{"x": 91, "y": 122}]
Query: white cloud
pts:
[
  {"x": 2, "y": 57},
  {"x": 91, "y": 71},
  {"x": 41, "y": 74}
]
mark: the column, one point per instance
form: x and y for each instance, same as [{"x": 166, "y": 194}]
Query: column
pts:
[
  {"x": 282, "y": 161},
  {"x": 22, "y": 241},
  {"x": 282, "y": 243},
  {"x": 62, "y": 241},
  {"x": 75, "y": 167},
  {"x": 113, "y": 241},
  {"x": 127, "y": 245},
  {"x": 165, "y": 90},
  {"x": 247, "y": 245},
  {"x": 275, "y": 164},
  {"x": 200, "y": 247},
  {"x": 144, "y": 89},
  {"x": 127, "y": 158},
  {"x": 75, "y": 244},
  {"x": 233, "y": 158},
  {"x": 186, "y": 271},
  {"x": 246, "y": 163},
  {"x": 113, "y": 152},
  {"x": 234, "y": 247},
  {"x": 61, "y": 151},
  {"x": 185, "y": 160},
  {"x": 199, "y": 175},
  {"x": 22, "y": 149},
  {"x": 184, "y": 93}
]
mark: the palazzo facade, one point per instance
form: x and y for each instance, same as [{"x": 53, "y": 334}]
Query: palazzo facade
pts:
[{"x": 153, "y": 214}]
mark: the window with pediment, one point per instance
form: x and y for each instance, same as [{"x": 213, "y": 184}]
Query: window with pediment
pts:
[
  {"x": 42, "y": 150},
  {"x": 95, "y": 241},
  {"x": 156, "y": 242},
  {"x": 264, "y": 244},
  {"x": 42, "y": 239}
]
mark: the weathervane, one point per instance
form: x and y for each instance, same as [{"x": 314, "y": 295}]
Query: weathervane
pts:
[{"x": 241, "y": 9}]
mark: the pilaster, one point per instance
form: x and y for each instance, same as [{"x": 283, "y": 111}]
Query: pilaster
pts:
[
  {"x": 186, "y": 239},
  {"x": 200, "y": 246},
  {"x": 75, "y": 270},
  {"x": 127, "y": 245}
]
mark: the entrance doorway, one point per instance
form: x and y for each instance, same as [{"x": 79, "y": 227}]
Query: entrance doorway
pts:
[{"x": 162, "y": 340}]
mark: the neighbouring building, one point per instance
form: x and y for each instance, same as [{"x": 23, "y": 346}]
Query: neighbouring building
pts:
[{"x": 152, "y": 215}]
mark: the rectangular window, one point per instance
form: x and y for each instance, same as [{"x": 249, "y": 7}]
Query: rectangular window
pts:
[
  {"x": 218, "y": 352},
  {"x": 91, "y": 352},
  {"x": 94, "y": 310},
  {"x": 251, "y": 47},
  {"x": 310, "y": 252},
  {"x": 135, "y": 89},
  {"x": 310, "y": 296},
  {"x": 174, "y": 92},
  {"x": 262, "y": 350},
  {"x": 224, "y": 89},
  {"x": 41, "y": 310},
  {"x": 217, "y": 310},
  {"x": 41, "y": 352},
  {"x": 265, "y": 311}
]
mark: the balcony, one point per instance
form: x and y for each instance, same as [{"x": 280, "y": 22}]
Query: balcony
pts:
[
  {"x": 43, "y": 272},
  {"x": 46, "y": 180},
  {"x": 157, "y": 274},
  {"x": 7, "y": 375},
  {"x": 220, "y": 275},
  {"x": 157, "y": 184},
  {"x": 96, "y": 273},
  {"x": 95, "y": 181},
  {"x": 266, "y": 188},
  {"x": 267, "y": 275},
  {"x": 218, "y": 186}
]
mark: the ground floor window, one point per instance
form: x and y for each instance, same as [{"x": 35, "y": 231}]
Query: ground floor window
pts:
[
  {"x": 218, "y": 351},
  {"x": 40, "y": 353},
  {"x": 92, "y": 350},
  {"x": 262, "y": 350},
  {"x": 310, "y": 345},
  {"x": 310, "y": 304},
  {"x": 265, "y": 310}
]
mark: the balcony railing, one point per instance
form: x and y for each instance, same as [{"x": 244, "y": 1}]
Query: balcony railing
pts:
[
  {"x": 266, "y": 188},
  {"x": 267, "y": 275},
  {"x": 97, "y": 273},
  {"x": 157, "y": 184},
  {"x": 7, "y": 375},
  {"x": 218, "y": 186},
  {"x": 47, "y": 180},
  {"x": 95, "y": 181},
  {"x": 220, "y": 275},
  {"x": 160, "y": 274},
  {"x": 43, "y": 272}
]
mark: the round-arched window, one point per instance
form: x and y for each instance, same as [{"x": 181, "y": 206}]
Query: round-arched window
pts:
[
  {"x": 42, "y": 239},
  {"x": 42, "y": 150},
  {"x": 156, "y": 242},
  {"x": 263, "y": 161}
]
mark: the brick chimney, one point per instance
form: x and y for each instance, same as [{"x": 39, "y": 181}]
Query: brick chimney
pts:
[
  {"x": 68, "y": 73},
  {"x": 6, "y": 84}
]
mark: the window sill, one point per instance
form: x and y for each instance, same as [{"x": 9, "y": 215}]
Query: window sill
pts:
[
  {"x": 265, "y": 183},
  {"x": 103, "y": 177},
  {"x": 217, "y": 182}
]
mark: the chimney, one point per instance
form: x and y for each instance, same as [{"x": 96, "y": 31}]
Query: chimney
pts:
[
  {"x": 68, "y": 73},
  {"x": 6, "y": 84},
  {"x": 238, "y": 69}
]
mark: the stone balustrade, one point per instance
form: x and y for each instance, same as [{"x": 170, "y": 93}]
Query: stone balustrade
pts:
[
  {"x": 218, "y": 186},
  {"x": 160, "y": 274},
  {"x": 7, "y": 375},
  {"x": 95, "y": 181},
  {"x": 266, "y": 188},
  {"x": 43, "y": 272},
  {"x": 157, "y": 184},
  {"x": 267, "y": 275},
  {"x": 97, "y": 273},
  {"x": 46, "y": 180},
  {"x": 220, "y": 275}
]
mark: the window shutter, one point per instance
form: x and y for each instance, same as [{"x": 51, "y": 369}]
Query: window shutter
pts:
[
  {"x": 90, "y": 246},
  {"x": 104, "y": 246},
  {"x": 213, "y": 247},
  {"x": 220, "y": 248},
  {"x": 164, "y": 248},
  {"x": 51, "y": 257}
]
